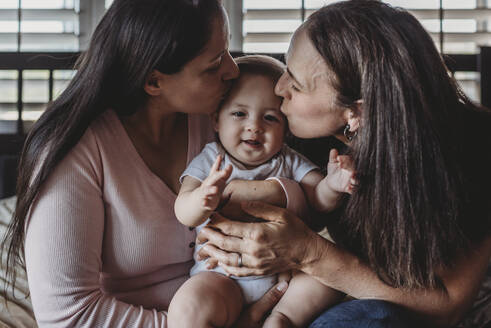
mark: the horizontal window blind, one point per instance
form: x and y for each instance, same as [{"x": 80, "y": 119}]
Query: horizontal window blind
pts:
[
  {"x": 34, "y": 26},
  {"x": 465, "y": 25},
  {"x": 268, "y": 25},
  {"x": 47, "y": 25}
]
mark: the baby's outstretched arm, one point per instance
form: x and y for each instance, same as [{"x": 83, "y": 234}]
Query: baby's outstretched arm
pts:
[
  {"x": 324, "y": 193},
  {"x": 197, "y": 200}
]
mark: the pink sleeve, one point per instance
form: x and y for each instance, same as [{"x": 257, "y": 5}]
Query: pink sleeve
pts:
[
  {"x": 63, "y": 247},
  {"x": 295, "y": 197}
]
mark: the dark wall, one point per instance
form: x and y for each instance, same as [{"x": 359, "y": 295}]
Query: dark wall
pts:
[{"x": 10, "y": 147}]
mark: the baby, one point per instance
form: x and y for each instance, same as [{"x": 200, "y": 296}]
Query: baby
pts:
[{"x": 251, "y": 131}]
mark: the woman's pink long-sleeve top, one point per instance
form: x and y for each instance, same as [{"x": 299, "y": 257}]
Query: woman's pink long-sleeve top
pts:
[{"x": 103, "y": 246}]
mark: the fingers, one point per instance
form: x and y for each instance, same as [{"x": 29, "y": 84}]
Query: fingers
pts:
[
  {"x": 254, "y": 314},
  {"x": 237, "y": 229},
  {"x": 259, "y": 309},
  {"x": 219, "y": 255},
  {"x": 228, "y": 171},
  {"x": 217, "y": 177},
  {"x": 209, "y": 191},
  {"x": 285, "y": 276},
  {"x": 220, "y": 240},
  {"x": 346, "y": 181},
  {"x": 227, "y": 261},
  {"x": 211, "y": 264},
  {"x": 242, "y": 271},
  {"x": 333, "y": 154},
  {"x": 265, "y": 211},
  {"x": 216, "y": 165},
  {"x": 215, "y": 168},
  {"x": 345, "y": 162},
  {"x": 347, "y": 173}
]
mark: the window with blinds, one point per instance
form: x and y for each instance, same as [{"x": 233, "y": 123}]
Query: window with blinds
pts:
[
  {"x": 465, "y": 25},
  {"x": 47, "y": 25},
  {"x": 258, "y": 26},
  {"x": 34, "y": 26}
]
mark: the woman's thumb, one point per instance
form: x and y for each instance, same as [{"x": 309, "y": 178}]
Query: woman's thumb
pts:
[
  {"x": 268, "y": 301},
  {"x": 264, "y": 211}
]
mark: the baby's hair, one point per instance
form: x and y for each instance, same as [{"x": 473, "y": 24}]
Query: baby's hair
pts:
[{"x": 261, "y": 65}]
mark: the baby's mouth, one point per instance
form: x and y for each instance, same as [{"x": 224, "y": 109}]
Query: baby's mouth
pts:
[{"x": 252, "y": 143}]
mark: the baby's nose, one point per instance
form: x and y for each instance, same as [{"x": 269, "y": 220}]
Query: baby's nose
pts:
[{"x": 254, "y": 127}]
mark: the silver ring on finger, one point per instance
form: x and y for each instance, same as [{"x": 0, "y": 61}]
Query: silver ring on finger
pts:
[{"x": 239, "y": 261}]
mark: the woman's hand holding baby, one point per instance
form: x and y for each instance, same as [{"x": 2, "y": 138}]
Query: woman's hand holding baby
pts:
[
  {"x": 264, "y": 246},
  {"x": 253, "y": 316}
]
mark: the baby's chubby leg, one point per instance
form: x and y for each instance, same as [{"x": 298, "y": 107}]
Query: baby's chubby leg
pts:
[
  {"x": 304, "y": 300},
  {"x": 207, "y": 299}
]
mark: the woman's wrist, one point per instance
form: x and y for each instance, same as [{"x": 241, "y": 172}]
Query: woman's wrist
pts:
[{"x": 315, "y": 249}]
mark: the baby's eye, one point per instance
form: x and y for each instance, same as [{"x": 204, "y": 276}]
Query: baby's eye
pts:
[
  {"x": 238, "y": 114},
  {"x": 271, "y": 118}
]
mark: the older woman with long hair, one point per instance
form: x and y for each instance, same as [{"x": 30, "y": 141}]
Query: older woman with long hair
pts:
[{"x": 414, "y": 238}]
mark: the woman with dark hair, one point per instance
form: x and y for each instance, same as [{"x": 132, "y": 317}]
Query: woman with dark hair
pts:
[
  {"x": 414, "y": 239},
  {"x": 99, "y": 170}
]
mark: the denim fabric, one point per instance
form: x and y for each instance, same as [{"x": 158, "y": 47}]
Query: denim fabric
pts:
[{"x": 363, "y": 314}]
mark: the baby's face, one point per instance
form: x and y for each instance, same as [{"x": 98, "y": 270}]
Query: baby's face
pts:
[{"x": 250, "y": 125}]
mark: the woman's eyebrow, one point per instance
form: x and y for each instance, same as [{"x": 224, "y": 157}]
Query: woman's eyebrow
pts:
[{"x": 293, "y": 77}]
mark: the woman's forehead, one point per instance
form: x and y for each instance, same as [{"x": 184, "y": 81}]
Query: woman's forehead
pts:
[{"x": 304, "y": 63}]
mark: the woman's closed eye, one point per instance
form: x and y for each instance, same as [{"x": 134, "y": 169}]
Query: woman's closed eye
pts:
[
  {"x": 291, "y": 83},
  {"x": 294, "y": 87},
  {"x": 215, "y": 67}
]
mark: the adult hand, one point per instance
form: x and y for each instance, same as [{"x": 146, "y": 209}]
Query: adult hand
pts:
[
  {"x": 281, "y": 243},
  {"x": 254, "y": 315}
]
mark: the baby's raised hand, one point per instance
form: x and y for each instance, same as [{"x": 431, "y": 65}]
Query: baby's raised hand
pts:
[
  {"x": 340, "y": 172},
  {"x": 212, "y": 187}
]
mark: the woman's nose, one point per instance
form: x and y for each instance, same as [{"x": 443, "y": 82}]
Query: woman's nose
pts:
[
  {"x": 231, "y": 71},
  {"x": 280, "y": 87}
]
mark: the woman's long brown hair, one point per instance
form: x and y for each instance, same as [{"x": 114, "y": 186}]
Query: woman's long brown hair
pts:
[
  {"x": 133, "y": 38},
  {"x": 422, "y": 169}
]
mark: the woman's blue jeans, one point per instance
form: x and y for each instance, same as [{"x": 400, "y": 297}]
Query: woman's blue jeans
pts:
[{"x": 363, "y": 313}]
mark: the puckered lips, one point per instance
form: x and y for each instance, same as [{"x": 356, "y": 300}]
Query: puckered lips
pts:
[{"x": 254, "y": 143}]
